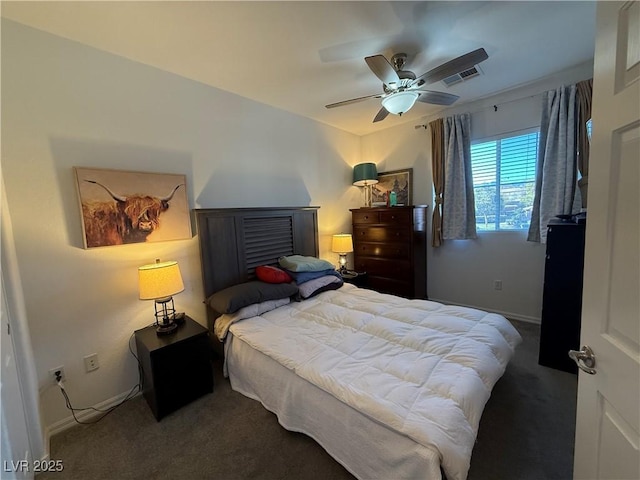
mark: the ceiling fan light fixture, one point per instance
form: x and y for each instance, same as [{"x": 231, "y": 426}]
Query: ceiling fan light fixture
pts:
[{"x": 400, "y": 102}]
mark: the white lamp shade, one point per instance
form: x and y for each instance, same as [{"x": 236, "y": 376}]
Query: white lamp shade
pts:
[
  {"x": 342, "y": 243},
  {"x": 159, "y": 280},
  {"x": 400, "y": 102}
]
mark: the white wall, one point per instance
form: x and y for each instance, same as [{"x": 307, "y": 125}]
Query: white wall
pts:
[
  {"x": 463, "y": 271},
  {"x": 65, "y": 105}
]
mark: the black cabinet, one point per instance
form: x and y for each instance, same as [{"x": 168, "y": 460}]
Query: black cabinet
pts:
[
  {"x": 177, "y": 367},
  {"x": 562, "y": 295}
]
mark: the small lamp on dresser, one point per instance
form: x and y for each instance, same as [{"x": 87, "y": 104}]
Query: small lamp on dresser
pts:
[
  {"x": 342, "y": 244},
  {"x": 159, "y": 281},
  {"x": 365, "y": 175}
]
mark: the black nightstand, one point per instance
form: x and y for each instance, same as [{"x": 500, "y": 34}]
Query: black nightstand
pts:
[
  {"x": 358, "y": 279},
  {"x": 177, "y": 367}
]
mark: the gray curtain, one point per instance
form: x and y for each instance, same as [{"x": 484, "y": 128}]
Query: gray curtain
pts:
[
  {"x": 557, "y": 170},
  {"x": 458, "y": 208}
]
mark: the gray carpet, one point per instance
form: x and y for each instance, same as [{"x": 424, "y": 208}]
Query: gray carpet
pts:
[{"x": 526, "y": 432}]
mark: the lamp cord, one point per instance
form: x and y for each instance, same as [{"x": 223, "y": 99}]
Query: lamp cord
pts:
[{"x": 132, "y": 393}]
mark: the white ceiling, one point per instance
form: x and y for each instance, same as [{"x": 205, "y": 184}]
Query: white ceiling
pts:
[{"x": 300, "y": 56}]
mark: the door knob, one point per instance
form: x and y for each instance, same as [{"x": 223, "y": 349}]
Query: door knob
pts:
[{"x": 585, "y": 359}]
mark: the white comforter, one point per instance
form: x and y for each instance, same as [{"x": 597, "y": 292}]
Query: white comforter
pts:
[{"x": 422, "y": 368}]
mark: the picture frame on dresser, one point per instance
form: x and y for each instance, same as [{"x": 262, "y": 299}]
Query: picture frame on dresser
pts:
[{"x": 398, "y": 181}]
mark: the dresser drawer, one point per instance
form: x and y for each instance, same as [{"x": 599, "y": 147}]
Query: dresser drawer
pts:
[
  {"x": 387, "y": 250},
  {"x": 365, "y": 216},
  {"x": 381, "y": 234},
  {"x": 382, "y": 267},
  {"x": 391, "y": 216},
  {"x": 396, "y": 216}
]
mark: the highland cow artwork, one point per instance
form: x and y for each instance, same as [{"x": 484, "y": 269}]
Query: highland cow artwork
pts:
[{"x": 120, "y": 207}]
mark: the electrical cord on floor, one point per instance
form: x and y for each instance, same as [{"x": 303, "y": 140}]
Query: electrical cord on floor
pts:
[{"x": 132, "y": 393}]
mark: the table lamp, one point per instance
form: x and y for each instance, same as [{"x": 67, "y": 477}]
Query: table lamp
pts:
[
  {"x": 342, "y": 244},
  {"x": 159, "y": 281},
  {"x": 365, "y": 175}
]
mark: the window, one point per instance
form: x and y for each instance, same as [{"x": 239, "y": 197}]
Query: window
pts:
[{"x": 504, "y": 174}]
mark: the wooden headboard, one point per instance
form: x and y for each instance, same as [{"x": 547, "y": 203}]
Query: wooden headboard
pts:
[{"x": 234, "y": 241}]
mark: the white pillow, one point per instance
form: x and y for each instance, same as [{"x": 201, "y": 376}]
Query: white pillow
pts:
[
  {"x": 224, "y": 321},
  {"x": 307, "y": 289}
]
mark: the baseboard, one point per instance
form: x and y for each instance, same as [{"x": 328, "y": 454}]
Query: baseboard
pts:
[
  {"x": 86, "y": 415},
  {"x": 509, "y": 315}
]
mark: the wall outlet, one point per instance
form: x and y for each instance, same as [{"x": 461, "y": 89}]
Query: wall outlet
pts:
[
  {"x": 497, "y": 284},
  {"x": 53, "y": 372},
  {"x": 91, "y": 362}
]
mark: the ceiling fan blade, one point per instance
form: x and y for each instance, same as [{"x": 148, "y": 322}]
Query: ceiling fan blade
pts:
[
  {"x": 457, "y": 65},
  {"x": 436, "y": 98},
  {"x": 381, "y": 67},
  {"x": 353, "y": 100},
  {"x": 381, "y": 115}
]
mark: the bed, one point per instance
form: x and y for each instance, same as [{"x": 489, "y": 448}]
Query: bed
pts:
[{"x": 389, "y": 387}]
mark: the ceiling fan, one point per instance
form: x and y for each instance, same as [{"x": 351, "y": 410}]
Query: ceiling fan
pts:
[{"x": 402, "y": 88}]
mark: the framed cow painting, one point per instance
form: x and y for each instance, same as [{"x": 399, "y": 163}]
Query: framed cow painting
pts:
[{"x": 120, "y": 207}]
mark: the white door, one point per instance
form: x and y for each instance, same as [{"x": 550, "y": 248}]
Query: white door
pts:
[
  {"x": 608, "y": 416},
  {"x": 16, "y": 456}
]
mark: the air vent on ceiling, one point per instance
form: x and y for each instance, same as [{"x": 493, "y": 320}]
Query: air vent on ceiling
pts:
[{"x": 462, "y": 76}]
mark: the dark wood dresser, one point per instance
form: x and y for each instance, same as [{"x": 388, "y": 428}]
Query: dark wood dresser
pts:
[{"x": 389, "y": 244}]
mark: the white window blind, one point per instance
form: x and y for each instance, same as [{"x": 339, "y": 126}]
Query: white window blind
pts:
[{"x": 504, "y": 173}]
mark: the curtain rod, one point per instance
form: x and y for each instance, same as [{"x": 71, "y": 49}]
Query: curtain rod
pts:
[{"x": 494, "y": 106}]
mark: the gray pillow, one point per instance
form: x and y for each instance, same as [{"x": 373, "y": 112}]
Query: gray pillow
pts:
[
  {"x": 232, "y": 299},
  {"x": 301, "y": 263}
]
